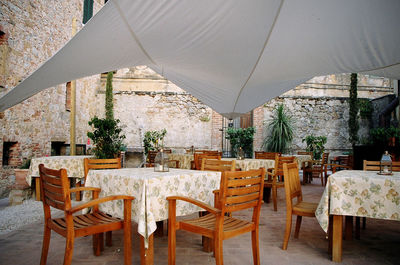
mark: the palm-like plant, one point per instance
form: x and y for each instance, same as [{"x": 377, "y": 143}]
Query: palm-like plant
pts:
[{"x": 280, "y": 131}]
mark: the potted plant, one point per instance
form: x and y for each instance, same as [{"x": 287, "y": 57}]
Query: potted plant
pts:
[
  {"x": 107, "y": 137},
  {"x": 241, "y": 138},
  {"x": 21, "y": 173},
  {"x": 152, "y": 139},
  {"x": 316, "y": 145},
  {"x": 280, "y": 131}
]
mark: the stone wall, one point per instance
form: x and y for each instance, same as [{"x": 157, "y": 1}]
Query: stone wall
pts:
[{"x": 35, "y": 30}]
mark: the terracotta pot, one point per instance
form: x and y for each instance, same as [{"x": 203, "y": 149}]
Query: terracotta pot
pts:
[{"x": 20, "y": 177}]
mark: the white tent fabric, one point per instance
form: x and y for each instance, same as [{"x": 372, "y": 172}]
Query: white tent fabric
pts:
[{"x": 233, "y": 55}]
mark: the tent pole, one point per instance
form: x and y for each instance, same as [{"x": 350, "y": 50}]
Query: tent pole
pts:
[{"x": 73, "y": 106}]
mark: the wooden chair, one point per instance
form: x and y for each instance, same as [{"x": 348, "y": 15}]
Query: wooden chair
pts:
[
  {"x": 305, "y": 165},
  {"x": 217, "y": 164},
  {"x": 196, "y": 165},
  {"x": 89, "y": 163},
  {"x": 300, "y": 208},
  {"x": 265, "y": 155},
  {"x": 345, "y": 163},
  {"x": 317, "y": 169},
  {"x": 240, "y": 190},
  {"x": 56, "y": 193},
  {"x": 273, "y": 175}
]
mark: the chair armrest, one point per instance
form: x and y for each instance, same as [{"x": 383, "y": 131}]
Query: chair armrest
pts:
[
  {"x": 195, "y": 202},
  {"x": 83, "y": 189},
  {"x": 335, "y": 166},
  {"x": 98, "y": 201}
]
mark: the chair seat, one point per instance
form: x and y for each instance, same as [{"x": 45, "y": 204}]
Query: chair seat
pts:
[
  {"x": 84, "y": 221},
  {"x": 268, "y": 184},
  {"x": 305, "y": 208},
  {"x": 206, "y": 225}
]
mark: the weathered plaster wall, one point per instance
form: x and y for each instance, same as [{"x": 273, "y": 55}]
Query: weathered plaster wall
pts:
[{"x": 35, "y": 30}]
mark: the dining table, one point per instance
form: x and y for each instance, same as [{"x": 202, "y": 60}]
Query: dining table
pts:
[
  {"x": 357, "y": 193},
  {"x": 150, "y": 190},
  {"x": 251, "y": 163},
  {"x": 73, "y": 164},
  {"x": 185, "y": 159}
]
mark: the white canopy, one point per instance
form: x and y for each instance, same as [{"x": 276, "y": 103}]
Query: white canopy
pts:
[{"x": 233, "y": 55}]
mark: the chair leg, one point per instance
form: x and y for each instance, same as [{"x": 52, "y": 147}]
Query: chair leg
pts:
[
  {"x": 109, "y": 238},
  {"x": 322, "y": 179},
  {"x": 69, "y": 249},
  {"x": 255, "y": 246},
  {"x": 45, "y": 245},
  {"x": 219, "y": 259},
  {"x": 287, "y": 230},
  {"x": 298, "y": 224},
  {"x": 96, "y": 244},
  {"x": 274, "y": 195},
  {"x": 171, "y": 232}
]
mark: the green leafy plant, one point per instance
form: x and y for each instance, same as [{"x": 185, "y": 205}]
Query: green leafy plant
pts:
[
  {"x": 152, "y": 139},
  {"x": 315, "y": 144},
  {"x": 241, "y": 137},
  {"x": 107, "y": 137},
  {"x": 353, "y": 111},
  {"x": 280, "y": 131},
  {"x": 381, "y": 136},
  {"x": 25, "y": 164},
  {"x": 366, "y": 109},
  {"x": 109, "y": 97}
]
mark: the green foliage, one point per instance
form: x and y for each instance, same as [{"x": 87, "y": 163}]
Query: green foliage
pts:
[
  {"x": 109, "y": 97},
  {"x": 239, "y": 137},
  {"x": 315, "y": 144},
  {"x": 353, "y": 111},
  {"x": 366, "y": 109},
  {"x": 106, "y": 137},
  {"x": 151, "y": 140},
  {"x": 280, "y": 131},
  {"x": 381, "y": 136},
  {"x": 25, "y": 164}
]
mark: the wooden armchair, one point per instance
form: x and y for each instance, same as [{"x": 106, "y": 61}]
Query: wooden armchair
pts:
[
  {"x": 300, "y": 208},
  {"x": 217, "y": 164},
  {"x": 240, "y": 190},
  {"x": 265, "y": 155},
  {"x": 198, "y": 157},
  {"x": 89, "y": 163},
  {"x": 345, "y": 163},
  {"x": 273, "y": 175},
  {"x": 317, "y": 169},
  {"x": 56, "y": 193}
]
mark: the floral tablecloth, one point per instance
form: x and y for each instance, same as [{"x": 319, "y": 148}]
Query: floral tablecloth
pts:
[
  {"x": 248, "y": 163},
  {"x": 184, "y": 159},
  {"x": 302, "y": 158},
  {"x": 73, "y": 164},
  {"x": 360, "y": 193},
  {"x": 150, "y": 190}
]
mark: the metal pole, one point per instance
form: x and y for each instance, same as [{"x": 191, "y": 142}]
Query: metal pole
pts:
[{"x": 72, "y": 140}]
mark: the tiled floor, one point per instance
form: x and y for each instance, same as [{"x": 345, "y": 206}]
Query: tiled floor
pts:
[{"x": 379, "y": 244}]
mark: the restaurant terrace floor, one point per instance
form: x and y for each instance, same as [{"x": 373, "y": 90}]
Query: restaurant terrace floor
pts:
[{"x": 379, "y": 243}]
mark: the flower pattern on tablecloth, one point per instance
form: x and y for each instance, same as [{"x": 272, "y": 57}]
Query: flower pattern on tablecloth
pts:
[
  {"x": 150, "y": 190},
  {"x": 248, "y": 163},
  {"x": 73, "y": 164},
  {"x": 184, "y": 159},
  {"x": 360, "y": 193}
]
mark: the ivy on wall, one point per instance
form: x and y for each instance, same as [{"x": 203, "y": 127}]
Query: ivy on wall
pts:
[{"x": 353, "y": 110}]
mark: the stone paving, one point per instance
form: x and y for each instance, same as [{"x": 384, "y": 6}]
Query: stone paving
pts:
[{"x": 379, "y": 243}]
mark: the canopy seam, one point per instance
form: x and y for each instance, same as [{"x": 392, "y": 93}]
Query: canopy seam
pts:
[
  {"x": 132, "y": 32},
  {"x": 261, "y": 53},
  {"x": 380, "y": 68}
]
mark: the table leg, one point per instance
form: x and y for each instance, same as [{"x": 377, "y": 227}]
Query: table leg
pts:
[
  {"x": 147, "y": 254},
  {"x": 337, "y": 239},
  {"x": 37, "y": 187},
  {"x": 348, "y": 227}
]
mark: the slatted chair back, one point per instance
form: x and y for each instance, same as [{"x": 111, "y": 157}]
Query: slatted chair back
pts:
[
  {"x": 217, "y": 164},
  {"x": 280, "y": 160},
  {"x": 292, "y": 184},
  {"x": 54, "y": 185},
  {"x": 375, "y": 165},
  {"x": 151, "y": 155},
  {"x": 265, "y": 155},
  {"x": 371, "y": 165},
  {"x": 198, "y": 157},
  {"x": 305, "y": 153},
  {"x": 242, "y": 190},
  {"x": 113, "y": 163}
]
